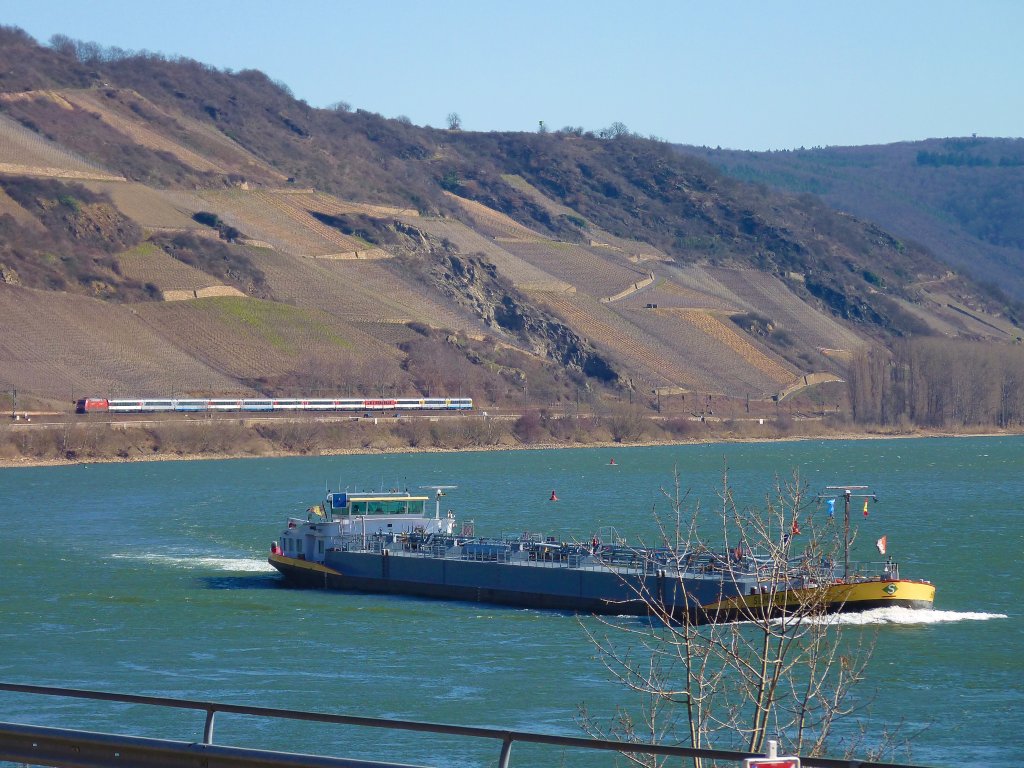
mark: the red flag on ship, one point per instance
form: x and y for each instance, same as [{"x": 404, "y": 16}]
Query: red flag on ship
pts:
[{"x": 882, "y": 543}]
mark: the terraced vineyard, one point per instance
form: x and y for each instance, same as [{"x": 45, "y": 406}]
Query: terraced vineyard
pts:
[
  {"x": 251, "y": 338},
  {"x": 325, "y": 203},
  {"x": 729, "y": 368},
  {"x": 493, "y": 223},
  {"x": 136, "y": 129},
  {"x": 665, "y": 294},
  {"x": 332, "y": 294},
  {"x": 698, "y": 278},
  {"x": 935, "y": 324},
  {"x": 389, "y": 333},
  {"x": 314, "y": 284},
  {"x": 357, "y": 291},
  {"x": 297, "y": 205},
  {"x": 213, "y": 144},
  {"x": 151, "y": 208},
  {"x": 257, "y": 217},
  {"x": 953, "y": 313},
  {"x": 27, "y": 153},
  {"x": 148, "y": 264},
  {"x": 387, "y": 289},
  {"x": 522, "y": 273},
  {"x": 775, "y": 300},
  {"x": 658, "y": 364},
  {"x": 579, "y": 266},
  {"x": 727, "y": 335},
  {"x": 64, "y": 346}
]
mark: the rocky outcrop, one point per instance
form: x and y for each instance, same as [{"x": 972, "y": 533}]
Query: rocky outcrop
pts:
[
  {"x": 8, "y": 275},
  {"x": 473, "y": 283}
]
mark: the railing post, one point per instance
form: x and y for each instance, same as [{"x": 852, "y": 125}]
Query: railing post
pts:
[
  {"x": 506, "y": 751},
  {"x": 208, "y": 727}
]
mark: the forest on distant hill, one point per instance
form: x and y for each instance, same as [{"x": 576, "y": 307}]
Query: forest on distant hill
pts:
[{"x": 962, "y": 198}]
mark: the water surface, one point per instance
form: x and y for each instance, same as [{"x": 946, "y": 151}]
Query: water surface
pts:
[{"x": 152, "y": 579}]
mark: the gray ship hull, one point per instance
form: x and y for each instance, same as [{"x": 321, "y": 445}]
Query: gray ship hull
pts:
[{"x": 530, "y": 585}]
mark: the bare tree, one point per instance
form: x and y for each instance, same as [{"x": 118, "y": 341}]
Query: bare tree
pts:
[
  {"x": 454, "y": 121},
  {"x": 627, "y": 423},
  {"x": 937, "y": 382},
  {"x": 615, "y": 130},
  {"x": 707, "y": 683}
]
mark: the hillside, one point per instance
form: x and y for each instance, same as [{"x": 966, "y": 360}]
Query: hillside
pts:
[
  {"x": 962, "y": 198},
  {"x": 171, "y": 228}
]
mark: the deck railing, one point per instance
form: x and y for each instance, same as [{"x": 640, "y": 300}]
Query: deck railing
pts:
[
  {"x": 37, "y": 745},
  {"x": 636, "y": 561}
]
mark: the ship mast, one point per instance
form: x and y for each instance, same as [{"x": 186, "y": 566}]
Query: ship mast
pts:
[
  {"x": 438, "y": 493},
  {"x": 847, "y": 492}
]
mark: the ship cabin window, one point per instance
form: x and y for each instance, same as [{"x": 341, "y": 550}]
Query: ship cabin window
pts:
[
  {"x": 320, "y": 546},
  {"x": 386, "y": 506}
]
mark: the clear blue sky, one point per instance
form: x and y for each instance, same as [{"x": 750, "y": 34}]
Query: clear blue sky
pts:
[{"x": 745, "y": 75}]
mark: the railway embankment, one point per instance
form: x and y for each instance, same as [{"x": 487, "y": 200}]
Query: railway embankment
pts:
[{"x": 46, "y": 439}]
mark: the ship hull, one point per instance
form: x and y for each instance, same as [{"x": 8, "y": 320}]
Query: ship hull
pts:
[
  {"x": 835, "y": 598},
  {"x": 526, "y": 586},
  {"x": 595, "y": 591}
]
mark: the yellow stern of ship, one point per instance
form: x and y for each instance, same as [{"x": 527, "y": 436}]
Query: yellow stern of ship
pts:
[
  {"x": 283, "y": 563},
  {"x": 839, "y": 598},
  {"x": 878, "y": 594}
]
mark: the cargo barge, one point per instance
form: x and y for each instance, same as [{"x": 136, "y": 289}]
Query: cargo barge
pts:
[{"x": 389, "y": 542}]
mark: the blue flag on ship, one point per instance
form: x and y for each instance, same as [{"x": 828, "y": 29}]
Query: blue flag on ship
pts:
[{"x": 831, "y": 508}]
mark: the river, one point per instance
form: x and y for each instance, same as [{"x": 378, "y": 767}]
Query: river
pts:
[{"x": 151, "y": 578}]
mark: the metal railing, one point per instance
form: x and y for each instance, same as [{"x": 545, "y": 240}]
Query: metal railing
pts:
[{"x": 38, "y": 745}]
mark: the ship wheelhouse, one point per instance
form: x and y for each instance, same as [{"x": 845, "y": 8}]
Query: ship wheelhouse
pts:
[{"x": 346, "y": 518}]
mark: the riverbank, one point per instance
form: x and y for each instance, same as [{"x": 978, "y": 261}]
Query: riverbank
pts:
[{"x": 67, "y": 443}]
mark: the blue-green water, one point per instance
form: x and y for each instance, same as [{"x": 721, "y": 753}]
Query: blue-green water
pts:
[{"x": 152, "y": 579}]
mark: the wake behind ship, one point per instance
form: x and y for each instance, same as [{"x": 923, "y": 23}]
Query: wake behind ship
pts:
[{"x": 387, "y": 542}]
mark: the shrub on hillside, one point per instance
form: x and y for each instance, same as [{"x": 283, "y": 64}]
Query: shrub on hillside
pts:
[
  {"x": 372, "y": 230},
  {"x": 212, "y": 220},
  {"x": 83, "y": 227},
  {"x": 228, "y": 263},
  {"x": 683, "y": 427},
  {"x": 529, "y": 428},
  {"x": 627, "y": 424}
]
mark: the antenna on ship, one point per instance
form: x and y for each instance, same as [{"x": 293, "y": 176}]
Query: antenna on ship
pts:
[
  {"x": 438, "y": 493},
  {"x": 847, "y": 493}
]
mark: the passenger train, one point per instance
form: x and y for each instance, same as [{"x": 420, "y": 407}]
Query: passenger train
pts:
[{"x": 271, "y": 404}]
